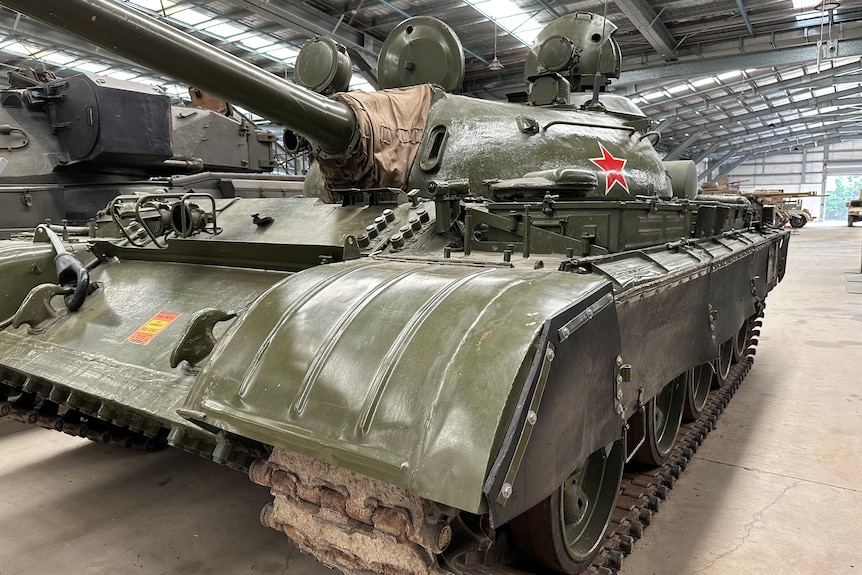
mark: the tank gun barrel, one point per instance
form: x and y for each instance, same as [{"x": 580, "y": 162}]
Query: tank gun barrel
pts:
[{"x": 145, "y": 40}]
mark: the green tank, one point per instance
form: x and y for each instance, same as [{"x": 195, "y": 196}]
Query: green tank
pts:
[
  {"x": 442, "y": 357},
  {"x": 68, "y": 145}
]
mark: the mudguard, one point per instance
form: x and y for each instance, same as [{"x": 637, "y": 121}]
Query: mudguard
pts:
[
  {"x": 403, "y": 371},
  {"x": 570, "y": 393}
]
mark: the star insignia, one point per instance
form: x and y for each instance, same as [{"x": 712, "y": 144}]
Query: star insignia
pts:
[{"x": 613, "y": 168}]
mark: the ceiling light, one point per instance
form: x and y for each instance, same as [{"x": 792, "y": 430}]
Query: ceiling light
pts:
[{"x": 495, "y": 65}]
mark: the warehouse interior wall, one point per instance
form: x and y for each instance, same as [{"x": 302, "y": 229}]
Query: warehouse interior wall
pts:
[{"x": 834, "y": 170}]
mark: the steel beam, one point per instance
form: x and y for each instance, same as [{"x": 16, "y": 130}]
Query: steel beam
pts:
[
  {"x": 647, "y": 22},
  {"x": 767, "y": 57}
]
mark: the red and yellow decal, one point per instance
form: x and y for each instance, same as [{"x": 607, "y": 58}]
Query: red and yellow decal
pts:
[
  {"x": 613, "y": 168},
  {"x": 153, "y": 327}
]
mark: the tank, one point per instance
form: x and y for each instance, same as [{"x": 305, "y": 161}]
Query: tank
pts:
[
  {"x": 69, "y": 145},
  {"x": 854, "y": 210},
  {"x": 443, "y": 357}
]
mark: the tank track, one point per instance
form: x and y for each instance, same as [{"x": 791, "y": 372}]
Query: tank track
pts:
[
  {"x": 31, "y": 410},
  {"x": 43, "y": 404}
]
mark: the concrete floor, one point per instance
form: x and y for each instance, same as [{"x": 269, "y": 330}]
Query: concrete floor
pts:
[{"x": 776, "y": 488}]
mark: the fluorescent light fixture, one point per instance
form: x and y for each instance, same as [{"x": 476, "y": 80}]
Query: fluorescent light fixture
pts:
[
  {"x": 678, "y": 88},
  {"x": 803, "y": 4},
  {"x": 703, "y": 82},
  {"x": 654, "y": 95},
  {"x": 729, "y": 75},
  {"x": 224, "y": 30}
]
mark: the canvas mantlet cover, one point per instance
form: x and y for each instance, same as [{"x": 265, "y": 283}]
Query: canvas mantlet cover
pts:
[{"x": 391, "y": 124}]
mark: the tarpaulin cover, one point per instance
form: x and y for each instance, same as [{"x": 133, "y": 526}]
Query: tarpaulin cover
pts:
[{"x": 391, "y": 125}]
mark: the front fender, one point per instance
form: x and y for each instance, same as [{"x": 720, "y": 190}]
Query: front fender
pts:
[{"x": 407, "y": 372}]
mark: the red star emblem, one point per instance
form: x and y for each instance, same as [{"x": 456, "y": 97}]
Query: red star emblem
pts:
[{"x": 613, "y": 168}]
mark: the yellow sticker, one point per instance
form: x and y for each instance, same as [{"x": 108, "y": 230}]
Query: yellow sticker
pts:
[{"x": 152, "y": 328}]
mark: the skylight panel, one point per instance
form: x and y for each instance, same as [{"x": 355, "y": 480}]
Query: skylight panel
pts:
[
  {"x": 811, "y": 15},
  {"x": 153, "y": 5},
  {"x": 91, "y": 67},
  {"x": 119, "y": 74},
  {"x": 282, "y": 53},
  {"x": 509, "y": 17},
  {"x": 358, "y": 83},
  {"x": 255, "y": 42},
  {"x": 58, "y": 58},
  {"x": 191, "y": 16},
  {"x": 513, "y": 22},
  {"x": 225, "y": 30},
  {"x": 497, "y": 8},
  {"x": 176, "y": 90},
  {"x": 21, "y": 48}
]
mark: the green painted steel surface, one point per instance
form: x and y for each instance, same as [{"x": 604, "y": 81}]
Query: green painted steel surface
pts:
[
  {"x": 23, "y": 265},
  {"x": 402, "y": 371},
  {"x": 484, "y": 141},
  {"x": 89, "y": 351}
]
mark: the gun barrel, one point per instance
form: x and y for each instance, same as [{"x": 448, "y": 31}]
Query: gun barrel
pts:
[{"x": 129, "y": 33}]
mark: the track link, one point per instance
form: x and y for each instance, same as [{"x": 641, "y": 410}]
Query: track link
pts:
[{"x": 33, "y": 411}]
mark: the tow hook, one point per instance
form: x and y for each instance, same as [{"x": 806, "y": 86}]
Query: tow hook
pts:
[{"x": 71, "y": 273}]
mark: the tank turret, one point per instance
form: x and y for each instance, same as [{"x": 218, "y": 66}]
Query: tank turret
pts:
[{"x": 68, "y": 145}]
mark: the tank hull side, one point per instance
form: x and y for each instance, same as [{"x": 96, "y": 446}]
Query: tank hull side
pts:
[
  {"x": 715, "y": 297},
  {"x": 652, "y": 288}
]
